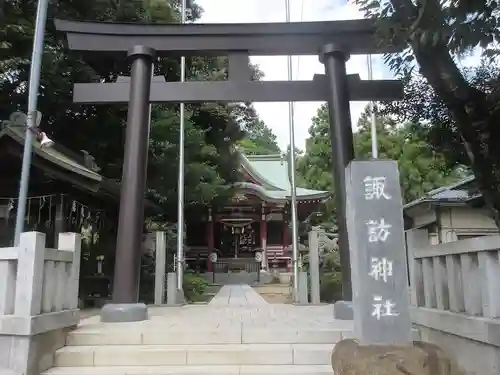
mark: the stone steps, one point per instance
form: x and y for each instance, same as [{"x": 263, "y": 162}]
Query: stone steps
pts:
[
  {"x": 193, "y": 355},
  {"x": 237, "y": 333},
  {"x": 221, "y": 335},
  {"x": 194, "y": 370}
]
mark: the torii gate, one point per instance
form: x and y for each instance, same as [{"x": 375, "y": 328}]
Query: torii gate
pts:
[{"x": 334, "y": 41}]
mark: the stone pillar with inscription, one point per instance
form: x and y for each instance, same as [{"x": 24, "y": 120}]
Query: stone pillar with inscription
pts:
[{"x": 378, "y": 256}]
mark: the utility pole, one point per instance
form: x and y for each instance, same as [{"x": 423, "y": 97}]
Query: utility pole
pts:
[
  {"x": 34, "y": 84},
  {"x": 291, "y": 161},
  {"x": 180, "y": 186}
]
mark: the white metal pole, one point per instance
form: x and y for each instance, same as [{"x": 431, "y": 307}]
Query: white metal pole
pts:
[
  {"x": 180, "y": 187},
  {"x": 291, "y": 126},
  {"x": 34, "y": 84},
  {"x": 373, "y": 118}
]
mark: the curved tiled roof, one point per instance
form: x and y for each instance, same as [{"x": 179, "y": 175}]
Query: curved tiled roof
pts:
[
  {"x": 271, "y": 173},
  {"x": 459, "y": 192},
  {"x": 52, "y": 155}
]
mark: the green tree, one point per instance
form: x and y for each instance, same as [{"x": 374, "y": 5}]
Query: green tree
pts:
[
  {"x": 422, "y": 106},
  {"x": 436, "y": 34},
  {"x": 211, "y": 129},
  {"x": 259, "y": 139},
  {"x": 421, "y": 168}
]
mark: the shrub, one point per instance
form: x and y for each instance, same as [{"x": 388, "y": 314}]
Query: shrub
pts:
[
  {"x": 194, "y": 286},
  {"x": 331, "y": 277}
]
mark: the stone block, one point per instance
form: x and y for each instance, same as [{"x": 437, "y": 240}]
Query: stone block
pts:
[
  {"x": 379, "y": 267},
  {"x": 74, "y": 357},
  {"x": 124, "y": 312},
  {"x": 312, "y": 354},
  {"x": 192, "y": 336},
  {"x": 253, "y": 335},
  {"x": 303, "y": 288},
  {"x": 29, "y": 355},
  {"x": 103, "y": 337},
  {"x": 324, "y": 336},
  {"x": 245, "y": 354},
  {"x": 132, "y": 355},
  {"x": 342, "y": 310}
]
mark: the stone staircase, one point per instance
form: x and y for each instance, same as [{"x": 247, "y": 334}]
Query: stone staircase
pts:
[
  {"x": 243, "y": 336},
  {"x": 222, "y": 352}
]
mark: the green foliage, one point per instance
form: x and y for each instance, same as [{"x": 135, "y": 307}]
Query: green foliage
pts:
[
  {"x": 331, "y": 278},
  {"x": 259, "y": 140},
  {"x": 434, "y": 121},
  {"x": 421, "y": 168},
  {"x": 458, "y": 26},
  {"x": 435, "y": 34},
  {"x": 211, "y": 129},
  {"x": 194, "y": 287}
]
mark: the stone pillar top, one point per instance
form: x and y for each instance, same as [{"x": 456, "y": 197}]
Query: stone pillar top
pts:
[
  {"x": 141, "y": 51},
  {"x": 333, "y": 49}
]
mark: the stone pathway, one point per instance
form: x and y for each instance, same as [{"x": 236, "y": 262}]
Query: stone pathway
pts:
[
  {"x": 237, "y": 295},
  {"x": 237, "y": 333}
]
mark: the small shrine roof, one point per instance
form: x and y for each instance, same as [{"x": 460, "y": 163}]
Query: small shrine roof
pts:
[
  {"x": 270, "y": 173},
  {"x": 52, "y": 155},
  {"x": 461, "y": 192}
]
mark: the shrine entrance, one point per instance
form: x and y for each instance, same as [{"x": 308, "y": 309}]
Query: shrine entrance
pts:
[
  {"x": 333, "y": 41},
  {"x": 237, "y": 238}
]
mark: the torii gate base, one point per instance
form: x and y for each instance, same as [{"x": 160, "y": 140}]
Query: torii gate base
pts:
[{"x": 333, "y": 40}]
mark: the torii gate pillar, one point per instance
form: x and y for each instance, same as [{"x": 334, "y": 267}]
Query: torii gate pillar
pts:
[
  {"x": 130, "y": 223},
  {"x": 334, "y": 58}
]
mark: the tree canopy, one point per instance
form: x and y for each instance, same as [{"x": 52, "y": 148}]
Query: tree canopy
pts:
[
  {"x": 423, "y": 107},
  {"x": 260, "y": 139},
  {"x": 436, "y": 34},
  {"x": 211, "y": 129},
  {"x": 421, "y": 168}
]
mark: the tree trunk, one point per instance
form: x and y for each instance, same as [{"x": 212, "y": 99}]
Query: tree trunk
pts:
[{"x": 476, "y": 118}]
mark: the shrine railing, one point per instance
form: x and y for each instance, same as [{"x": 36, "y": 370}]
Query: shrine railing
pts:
[
  {"x": 461, "y": 276},
  {"x": 248, "y": 265},
  {"x": 455, "y": 291},
  {"x": 38, "y": 285}
]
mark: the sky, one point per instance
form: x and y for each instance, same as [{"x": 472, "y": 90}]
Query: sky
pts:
[{"x": 275, "y": 115}]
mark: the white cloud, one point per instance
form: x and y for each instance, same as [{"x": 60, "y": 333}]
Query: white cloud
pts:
[{"x": 275, "y": 115}]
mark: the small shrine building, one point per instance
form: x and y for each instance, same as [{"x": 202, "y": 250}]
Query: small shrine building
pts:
[{"x": 257, "y": 219}]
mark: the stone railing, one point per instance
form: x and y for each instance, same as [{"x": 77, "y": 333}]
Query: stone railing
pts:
[
  {"x": 461, "y": 276},
  {"x": 455, "y": 294},
  {"x": 38, "y": 300}
]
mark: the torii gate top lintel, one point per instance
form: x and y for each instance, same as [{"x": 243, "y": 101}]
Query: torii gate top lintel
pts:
[
  {"x": 256, "y": 39},
  {"x": 238, "y": 42}
]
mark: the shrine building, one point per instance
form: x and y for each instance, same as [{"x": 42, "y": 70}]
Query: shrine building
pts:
[{"x": 257, "y": 219}]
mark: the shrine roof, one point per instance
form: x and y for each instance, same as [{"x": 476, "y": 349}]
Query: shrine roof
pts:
[
  {"x": 270, "y": 172},
  {"x": 52, "y": 155},
  {"x": 461, "y": 192}
]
